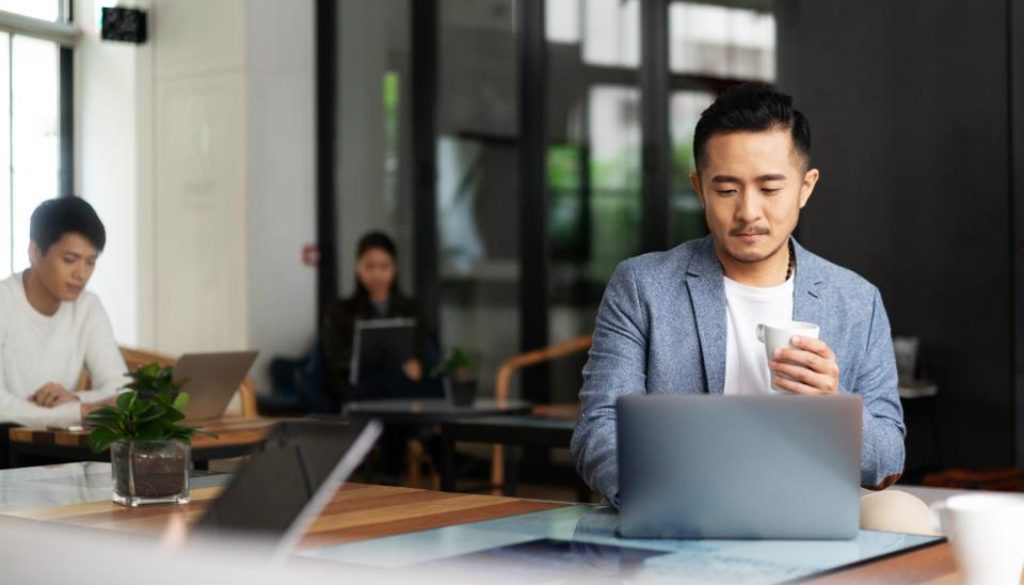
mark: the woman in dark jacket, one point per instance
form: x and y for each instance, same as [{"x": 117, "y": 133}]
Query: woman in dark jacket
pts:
[{"x": 377, "y": 296}]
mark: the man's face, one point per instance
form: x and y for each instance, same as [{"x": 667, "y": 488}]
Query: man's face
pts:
[
  {"x": 752, "y": 186},
  {"x": 66, "y": 267}
]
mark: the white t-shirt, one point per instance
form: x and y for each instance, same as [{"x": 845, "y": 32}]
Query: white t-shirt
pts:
[
  {"x": 36, "y": 349},
  {"x": 746, "y": 363}
]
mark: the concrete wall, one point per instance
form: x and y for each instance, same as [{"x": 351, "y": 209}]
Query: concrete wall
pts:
[
  {"x": 113, "y": 168},
  {"x": 197, "y": 149},
  {"x": 908, "y": 106}
]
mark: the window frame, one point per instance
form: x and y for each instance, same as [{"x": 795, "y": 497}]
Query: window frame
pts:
[{"x": 65, "y": 35}]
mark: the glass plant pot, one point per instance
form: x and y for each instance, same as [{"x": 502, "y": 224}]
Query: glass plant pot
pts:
[
  {"x": 150, "y": 472},
  {"x": 460, "y": 392}
]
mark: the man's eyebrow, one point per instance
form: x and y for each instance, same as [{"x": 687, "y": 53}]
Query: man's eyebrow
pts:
[
  {"x": 724, "y": 179},
  {"x": 760, "y": 179}
]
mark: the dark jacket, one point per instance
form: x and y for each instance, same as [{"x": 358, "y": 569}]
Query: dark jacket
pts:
[{"x": 339, "y": 330}]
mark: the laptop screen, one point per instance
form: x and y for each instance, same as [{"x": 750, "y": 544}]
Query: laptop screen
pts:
[{"x": 283, "y": 488}]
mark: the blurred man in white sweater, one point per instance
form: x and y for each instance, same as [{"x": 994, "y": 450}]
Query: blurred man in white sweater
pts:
[{"x": 51, "y": 327}]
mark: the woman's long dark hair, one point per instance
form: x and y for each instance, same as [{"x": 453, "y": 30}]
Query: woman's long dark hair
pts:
[{"x": 376, "y": 241}]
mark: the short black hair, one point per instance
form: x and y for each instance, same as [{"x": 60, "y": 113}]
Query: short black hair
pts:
[
  {"x": 751, "y": 107},
  {"x": 56, "y": 217}
]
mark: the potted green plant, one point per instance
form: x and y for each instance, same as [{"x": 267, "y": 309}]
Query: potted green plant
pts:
[
  {"x": 459, "y": 381},
  {"x": 150, "y": 451}
]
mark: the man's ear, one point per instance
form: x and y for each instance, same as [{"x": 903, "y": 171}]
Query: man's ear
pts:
[
  {"x": 35, "y": 254},
  {"x": 807, "y": 187},
  {"x": 695, "y": 181}
]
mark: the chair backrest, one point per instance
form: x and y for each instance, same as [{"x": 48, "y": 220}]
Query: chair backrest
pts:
[
  {"x": 518, "y": 362},
  {"x": 135, "y": 357}
]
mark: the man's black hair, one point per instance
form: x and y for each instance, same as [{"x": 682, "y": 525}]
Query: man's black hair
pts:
[
  {"x": 63, "y": 215},
  {"x": 751, "y": 107}
]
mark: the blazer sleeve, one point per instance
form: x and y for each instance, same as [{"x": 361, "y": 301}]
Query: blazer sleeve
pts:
[
  {"x": 883, "y": 430},
  {"x": 616, "y": 367}
]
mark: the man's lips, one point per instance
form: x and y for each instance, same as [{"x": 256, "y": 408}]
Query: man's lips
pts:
[{"x": 750, "y": 236}]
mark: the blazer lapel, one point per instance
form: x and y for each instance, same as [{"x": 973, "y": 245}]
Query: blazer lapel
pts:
[
  {"x": 807, "y": 303},
  {"x": 707, "y": 296}
]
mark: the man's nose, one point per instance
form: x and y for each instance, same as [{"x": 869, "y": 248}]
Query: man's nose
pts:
[{"x": 748, "y": 207}]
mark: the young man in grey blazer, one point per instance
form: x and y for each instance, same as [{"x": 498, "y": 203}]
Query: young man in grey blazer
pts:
[{"x": 684, "y": 320}]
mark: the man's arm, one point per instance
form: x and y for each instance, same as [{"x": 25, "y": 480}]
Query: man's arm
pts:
[
  {"x": 617, "y": 366},
  {"x": 103, "y": 358},
  {"x": 883, "y": 429},
  {"x": 22, "y": 411}
]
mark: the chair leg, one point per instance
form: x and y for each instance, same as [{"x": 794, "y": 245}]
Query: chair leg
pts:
[
  {"x": 497, "y": 469},
  {"x": 413, "y": 459}
]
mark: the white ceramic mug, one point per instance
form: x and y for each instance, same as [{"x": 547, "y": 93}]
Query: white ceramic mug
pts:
[
  {"x": 777, "y": 335},
  {"x": 986, "y": 531}
]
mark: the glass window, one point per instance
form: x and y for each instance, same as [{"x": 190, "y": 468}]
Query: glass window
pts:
[
  {"x": 686, "y": 216},
  {"x": 593, "y": 166},
  {"x": 7, "y": 241},
  {"x": 42, "y": 9},
  {"x": 561, "y": 19},
  {"x": 611, "y": 32},
  {"x": 478, "y": 182},
  {"x": 35, "y": 133},
  {"x": 725, "y": 42}
]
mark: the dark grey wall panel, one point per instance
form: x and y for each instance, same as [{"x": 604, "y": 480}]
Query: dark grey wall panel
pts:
[
  {"x": 908, "y": 105},
  {"x": 1016, "y": 68}
]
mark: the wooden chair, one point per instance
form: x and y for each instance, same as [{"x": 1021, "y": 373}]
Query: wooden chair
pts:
[
  {"x": 516, "y": 363},
  {"x": 134, "y": 357}
]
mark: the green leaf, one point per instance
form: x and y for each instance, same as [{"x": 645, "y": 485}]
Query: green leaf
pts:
[
  {"x": 101, "y": 438},
  {"x": 151, "y": 431},
  {"x": 125, "y": 400},
  {"x": 180, "y": 401}
]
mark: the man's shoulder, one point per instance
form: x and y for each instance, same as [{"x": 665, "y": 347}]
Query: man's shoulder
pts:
[
  {"x": 839, "y": 280},
  {"x": 10, "y": 289},
  {"x": 655, "y": 266}
]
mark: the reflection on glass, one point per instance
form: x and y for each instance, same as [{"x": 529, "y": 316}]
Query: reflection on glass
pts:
[
  {"x": 43, "y": 9},
  {"x": 593, "y": 164},
  {"x": 7, "y": 242},
  {"x": 374, "y": 110},
  {"x": 478, "y": 182},
  {"x": 724, "y": 42},
  {"x": 36, "y": 132},
  {"x": 615, "y": 176},
  {"x": 686, "y": 220},
  {"x": 611, "y": 32},
  {"x": 561, "y": 19}
]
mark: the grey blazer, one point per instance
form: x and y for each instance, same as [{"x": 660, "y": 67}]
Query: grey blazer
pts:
[{"x": 661, "y": 329}]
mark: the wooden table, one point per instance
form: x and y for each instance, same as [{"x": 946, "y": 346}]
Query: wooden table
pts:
[
  {"x": 358, "y": 512},
  {"x": 236, "y": 436},
  {"x": 362, "y": 512}
]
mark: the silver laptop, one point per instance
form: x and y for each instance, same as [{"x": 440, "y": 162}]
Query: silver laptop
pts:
[
  {"x": 211, "y": 379},
  {"x": 739, "y": 467}
]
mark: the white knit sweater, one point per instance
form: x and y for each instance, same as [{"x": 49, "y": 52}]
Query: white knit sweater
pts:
[{"x": 36, "y": 349}]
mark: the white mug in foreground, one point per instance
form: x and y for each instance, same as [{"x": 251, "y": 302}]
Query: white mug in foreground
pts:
[
  {"x": 986, "y": 532},
  {"x": 777, "y": 335}
]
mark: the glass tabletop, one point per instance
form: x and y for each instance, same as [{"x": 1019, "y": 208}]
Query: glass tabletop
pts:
[
  {"x": 579, "y": 543},
  {"x": 69, "y": 483}
]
